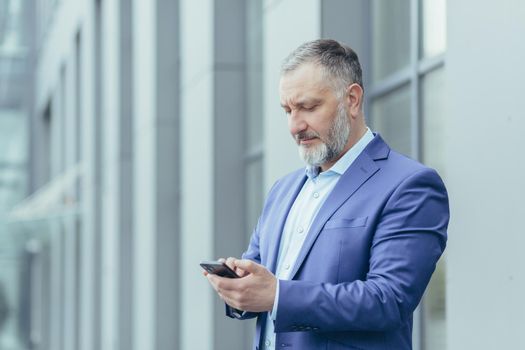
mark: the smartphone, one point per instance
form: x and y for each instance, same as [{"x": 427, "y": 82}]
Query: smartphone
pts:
[
  {"x": 221, "y": 269},
  {"x": 218, "y": 268}
]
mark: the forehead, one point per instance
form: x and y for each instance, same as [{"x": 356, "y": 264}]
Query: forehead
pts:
[{"x": 304, "y": 83}]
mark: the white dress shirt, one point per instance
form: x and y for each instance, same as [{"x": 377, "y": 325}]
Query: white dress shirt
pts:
[{"x": 302, "y": 213}]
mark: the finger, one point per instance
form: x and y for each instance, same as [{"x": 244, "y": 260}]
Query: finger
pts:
[
  {"x": 222, "y": 284},
  {"x": 212, "y": 282},
  {"x": 247, "y": 265},
  {"x": 240, "y": 272},
  {"x": 230, "y": 299},
  {"x": 212, "y": 278},
  {"x": 230, "y": 263},
  {"x": 221, "y": 260}
]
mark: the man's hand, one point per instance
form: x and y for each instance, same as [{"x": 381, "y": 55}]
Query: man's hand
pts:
[
  {"x": 254, "y": 291},
  {"x": 230, "y": 262}
]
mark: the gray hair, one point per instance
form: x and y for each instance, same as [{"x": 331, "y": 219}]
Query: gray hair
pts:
[{"x": 339, "y": 62}]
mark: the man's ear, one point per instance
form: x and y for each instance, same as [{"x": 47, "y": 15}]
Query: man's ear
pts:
[{"x": 354, "y": 101}]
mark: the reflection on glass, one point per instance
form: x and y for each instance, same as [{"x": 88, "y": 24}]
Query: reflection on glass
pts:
[
  {"x": 13, "y": 158},
  {"x": 13, "y": 188},
  {"x": 14, "y": 142},
  {"x": 390, "y": 37},
  {"x": 434, "y": 28},
  {"x": 434, "y": 119},
  {"x": 13, "y": 34},
  {"x": 391, "y": 118}
]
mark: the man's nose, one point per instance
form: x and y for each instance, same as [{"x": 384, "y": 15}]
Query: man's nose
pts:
[{"x": 296, "y": 124}]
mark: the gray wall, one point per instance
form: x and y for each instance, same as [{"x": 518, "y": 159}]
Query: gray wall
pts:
[{"x": 486, "y": 264}]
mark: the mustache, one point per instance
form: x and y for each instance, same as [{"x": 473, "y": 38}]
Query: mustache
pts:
[{"x": 305, "y": 135}]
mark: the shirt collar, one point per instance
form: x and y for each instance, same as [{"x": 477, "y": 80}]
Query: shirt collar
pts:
[{"x": 346, "y": 160}]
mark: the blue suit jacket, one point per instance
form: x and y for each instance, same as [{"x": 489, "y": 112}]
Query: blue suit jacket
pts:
[{"x": 367, "y": 258}]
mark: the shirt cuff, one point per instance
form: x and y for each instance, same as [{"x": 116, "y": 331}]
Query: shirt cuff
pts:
[{"x": 273, "y": 314}]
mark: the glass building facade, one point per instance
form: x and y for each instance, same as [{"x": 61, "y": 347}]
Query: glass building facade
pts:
[{"x": 138, "y": 138}]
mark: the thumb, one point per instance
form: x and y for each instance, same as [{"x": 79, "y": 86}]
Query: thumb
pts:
[{"x": 247, "y": 265}]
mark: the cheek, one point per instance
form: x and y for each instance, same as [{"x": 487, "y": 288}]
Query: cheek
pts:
[{"x": 321, "y": 128}]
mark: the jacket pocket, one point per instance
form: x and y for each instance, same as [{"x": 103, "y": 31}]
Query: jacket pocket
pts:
[{"x": 346, "y": 223}]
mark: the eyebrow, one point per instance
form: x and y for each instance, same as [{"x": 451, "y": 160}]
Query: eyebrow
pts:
[{"x": 312, "y": 101}]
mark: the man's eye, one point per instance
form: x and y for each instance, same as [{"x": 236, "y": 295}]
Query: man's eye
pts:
[{"x": 310, "y": 108}]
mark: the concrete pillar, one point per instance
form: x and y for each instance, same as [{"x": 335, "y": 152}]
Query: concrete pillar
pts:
[
  {"x": 213, "y": 115},
  {"x": 196, "y": 171},
  {"x": 117, "y": 178},
  {"x": 89, "y": 186},
  {"x": 55, "y": 227},
  {"x": 155, "y": 169},
  {"x": 70, "y": 198}
]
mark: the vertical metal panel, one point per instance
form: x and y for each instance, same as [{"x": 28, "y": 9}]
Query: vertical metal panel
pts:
[
  {"x": 167, "y": 175},
  {"x": 229, "y": 120},
  {"x": 415, "y": 99},
  {"x": 126, "y": 194},
  {"x": 97, "y": 168},
  {"x": 415, "y": 133}
]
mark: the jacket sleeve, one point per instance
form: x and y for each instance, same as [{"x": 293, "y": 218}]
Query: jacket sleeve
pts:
[
  {"x": 238, "y": 314},
  {"x": 409, "y": 239}
]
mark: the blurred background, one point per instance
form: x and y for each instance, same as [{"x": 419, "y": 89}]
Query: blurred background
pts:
[{"x": 138, "y": 138}]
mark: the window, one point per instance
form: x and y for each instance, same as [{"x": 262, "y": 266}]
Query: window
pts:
[{"x": 405, "y": 104}]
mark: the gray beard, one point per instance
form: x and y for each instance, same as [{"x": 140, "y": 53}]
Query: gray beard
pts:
[{"x": 331, "y": 148}]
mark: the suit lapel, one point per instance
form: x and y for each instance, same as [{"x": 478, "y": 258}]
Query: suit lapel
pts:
[
  {"x": 357, "y": 174},
  {"x": 291, "y": 190}
]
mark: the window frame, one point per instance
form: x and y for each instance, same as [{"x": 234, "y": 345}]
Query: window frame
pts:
[{"x": 412, "y": 75}]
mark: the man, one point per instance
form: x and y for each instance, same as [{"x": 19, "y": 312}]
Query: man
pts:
[{"x": 343, "y": 251}]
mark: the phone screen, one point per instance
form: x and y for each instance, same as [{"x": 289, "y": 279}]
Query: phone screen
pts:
[{"x": 219, "y": 269}]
